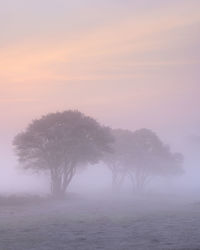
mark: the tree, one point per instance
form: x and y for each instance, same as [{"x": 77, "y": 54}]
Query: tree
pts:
[
  {"x": 60, "y": 143},
  {"x": 151, "y": 157},
  {"x": 140, "y": 155},
  {"x": 117, "y": 162}
]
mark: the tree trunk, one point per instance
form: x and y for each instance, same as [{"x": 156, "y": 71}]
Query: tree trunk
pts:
[
  {"x": 117, "y": 180},
  {"x": 56, "y": 185},
  {"x": 60, "y": 180},
  {"x": 139, "y": 180},
  {"x": 67, "y": 177}
]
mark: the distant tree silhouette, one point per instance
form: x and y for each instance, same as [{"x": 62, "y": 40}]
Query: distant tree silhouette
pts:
[
  {"x": 141, "y": 155},
  {"x": 151, "y": 157},
  {"x": 117, "y": 162},
  {"x": 60, "y": 143}
]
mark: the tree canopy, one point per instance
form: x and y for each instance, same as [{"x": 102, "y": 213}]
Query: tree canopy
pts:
[
  {"x": 60, "y": 142},
  {"x": 141, "y": 155}
]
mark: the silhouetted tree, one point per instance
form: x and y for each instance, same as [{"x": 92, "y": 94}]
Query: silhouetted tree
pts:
[
  {"x": 122, "y": 152},
  {"x": 60, "y": 143},
  {"x": 151, "y": 157},
  {"x": 140, "y": 155}
]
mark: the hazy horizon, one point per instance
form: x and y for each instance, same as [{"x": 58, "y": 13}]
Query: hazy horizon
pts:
[{"x": 128, "y": 64}]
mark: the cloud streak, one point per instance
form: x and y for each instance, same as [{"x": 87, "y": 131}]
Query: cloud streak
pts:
[
  {"x": 99, "y": 50},
  {"x": 129, "y": 57}
]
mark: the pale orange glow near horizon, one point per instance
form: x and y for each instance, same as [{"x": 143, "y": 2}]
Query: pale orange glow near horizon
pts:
[
  {"x": 127, "y": 67},
  {"x": 38, "y": 59}
]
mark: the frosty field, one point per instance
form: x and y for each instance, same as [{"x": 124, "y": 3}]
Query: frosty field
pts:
[{"x": 111, "y": 223}]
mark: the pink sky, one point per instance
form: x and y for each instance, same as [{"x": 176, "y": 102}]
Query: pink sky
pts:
[{"x": 128, "y": 64}]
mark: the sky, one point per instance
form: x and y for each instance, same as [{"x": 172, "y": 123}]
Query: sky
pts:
[{"x": 129, "y": 64}]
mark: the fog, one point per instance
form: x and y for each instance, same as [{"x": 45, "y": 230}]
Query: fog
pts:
[
  {"x": 98, "y": 177},
  {"x": 100, "y": 128},
  {"x": 92, "y": 215}
]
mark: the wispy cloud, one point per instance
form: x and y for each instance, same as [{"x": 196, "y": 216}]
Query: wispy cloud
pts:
[
  {"x": 107, "y": 49},
  {"x": 133, "y": 58},
  {"x": 17, "y": 100}
]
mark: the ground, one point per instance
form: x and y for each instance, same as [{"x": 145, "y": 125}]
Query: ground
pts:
[{"x": 108, "y": 223}]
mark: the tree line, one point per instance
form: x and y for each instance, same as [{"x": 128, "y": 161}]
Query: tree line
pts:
[{"x": 61, "y": 143}]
